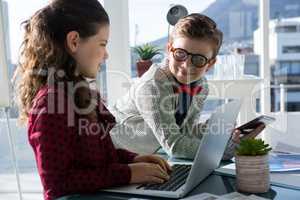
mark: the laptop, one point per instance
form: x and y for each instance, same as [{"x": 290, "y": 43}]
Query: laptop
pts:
[{"x": 185, "y": 177}]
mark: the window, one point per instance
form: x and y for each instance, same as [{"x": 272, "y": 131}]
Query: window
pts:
[
  {"x": 295, "y": 68},
  {"x": 20, "y": 11},
  {"x": 290, "y": 49},
  {"x": 282, "y": 69},
  {"x": 287, "y": 72},
  {"x": 286, "y": 29}
]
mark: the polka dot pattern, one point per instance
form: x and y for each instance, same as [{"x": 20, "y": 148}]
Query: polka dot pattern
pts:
[{"x": 68, "y": 162}]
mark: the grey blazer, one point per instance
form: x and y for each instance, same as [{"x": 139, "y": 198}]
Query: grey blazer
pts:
[{"x": 146, "y": 117}]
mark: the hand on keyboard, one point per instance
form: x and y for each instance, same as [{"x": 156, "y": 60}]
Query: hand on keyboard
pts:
[
  {"x": 177, "y": 179},
  {"x": 154, "y": 159},
  {"x": 147, "y": 173}
]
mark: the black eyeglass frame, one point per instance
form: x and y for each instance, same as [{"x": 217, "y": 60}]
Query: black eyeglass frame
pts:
[{"x": 189, "y": 54}]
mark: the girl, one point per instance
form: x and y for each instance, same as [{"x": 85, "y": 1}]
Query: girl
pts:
[{"x": 68, "y": 126}]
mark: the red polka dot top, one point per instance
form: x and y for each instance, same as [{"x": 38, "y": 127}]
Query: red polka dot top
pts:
[{"x": 74, "y": 155}]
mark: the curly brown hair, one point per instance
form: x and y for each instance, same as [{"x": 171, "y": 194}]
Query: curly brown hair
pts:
[{"x": 43, "y": 51}]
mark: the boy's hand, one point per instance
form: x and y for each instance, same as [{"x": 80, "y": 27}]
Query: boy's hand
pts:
[
  {"x": 154, "y": 159},
  {"x": 236, "y": 134}
]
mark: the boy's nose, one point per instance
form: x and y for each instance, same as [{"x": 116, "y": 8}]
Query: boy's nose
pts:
[{"x": 185, "y": 64}]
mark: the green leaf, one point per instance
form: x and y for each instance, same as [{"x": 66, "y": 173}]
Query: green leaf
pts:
[
  {"x": 147, "y": 51},
  {"x": 252, "y": 147}
]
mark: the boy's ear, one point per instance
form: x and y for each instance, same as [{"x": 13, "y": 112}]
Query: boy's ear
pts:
[
  {"x": 72, "y": 41},
  {"x": 211, "y": 64},
  {"x": 169, "y": 46}
]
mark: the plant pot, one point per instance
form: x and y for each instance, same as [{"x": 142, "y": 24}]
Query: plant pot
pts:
[
  {"x": 252, "y": 173},
  {"x": 142, "y": 66}
]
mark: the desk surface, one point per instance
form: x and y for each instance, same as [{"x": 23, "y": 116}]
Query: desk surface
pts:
[{"x": 215, "y": 184}]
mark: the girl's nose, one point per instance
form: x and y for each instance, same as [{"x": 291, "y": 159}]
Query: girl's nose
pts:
[{"x": 106, "y": 55}]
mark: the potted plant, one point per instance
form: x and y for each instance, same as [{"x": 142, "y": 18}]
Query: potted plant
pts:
[
  {"x": 146, "y": 53},
  {"x": 252, "y": 166}
]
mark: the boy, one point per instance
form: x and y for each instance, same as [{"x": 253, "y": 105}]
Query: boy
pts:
[{"x": 163, "y": 107}]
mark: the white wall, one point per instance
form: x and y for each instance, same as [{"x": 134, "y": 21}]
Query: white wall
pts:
[
  {"x": 256, "y": 42},
  {"x": 4, "y": 84},
  {"x": 274, "y": 49},
  {"x": 118, "y": 63}
]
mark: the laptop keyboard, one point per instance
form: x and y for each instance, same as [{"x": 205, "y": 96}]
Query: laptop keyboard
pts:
[{"x": 177, "y": 178}]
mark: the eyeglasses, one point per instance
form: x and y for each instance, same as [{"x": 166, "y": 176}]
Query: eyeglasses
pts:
[{"x": 182, "y": 55}]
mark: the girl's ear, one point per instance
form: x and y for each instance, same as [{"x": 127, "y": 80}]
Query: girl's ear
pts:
[{"x": 72, "y": 41}]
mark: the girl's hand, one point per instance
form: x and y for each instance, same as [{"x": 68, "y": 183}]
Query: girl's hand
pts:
[
  {"x": 147, "y": 173},
  {"x": 154, "y": 159}
]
